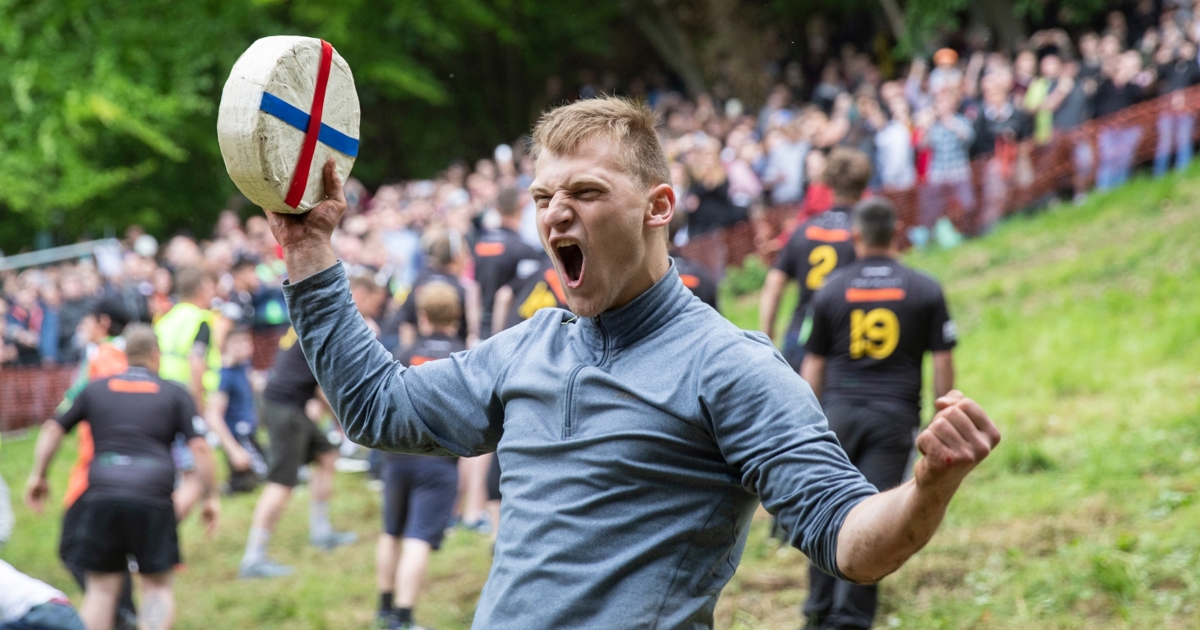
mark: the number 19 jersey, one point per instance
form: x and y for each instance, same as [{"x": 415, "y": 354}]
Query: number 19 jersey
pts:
[
  {"x": 818, "y": 247},
  {"x": 873, "y": 321}
]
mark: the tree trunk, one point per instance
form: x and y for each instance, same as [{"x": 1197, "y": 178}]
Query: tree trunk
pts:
[
  {"x": 1000, "y": 16},
  {"x": 895, "y": 18},
  {"x": 654, "y": 20}
]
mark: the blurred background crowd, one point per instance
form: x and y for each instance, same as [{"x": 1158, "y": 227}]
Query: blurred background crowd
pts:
[{"x": 922, "y": 130}]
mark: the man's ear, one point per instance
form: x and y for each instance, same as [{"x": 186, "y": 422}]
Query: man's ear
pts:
[{"x": 662, "y": 206}]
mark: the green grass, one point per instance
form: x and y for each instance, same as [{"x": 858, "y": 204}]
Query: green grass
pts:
[{"x": 1079, "y": 334}]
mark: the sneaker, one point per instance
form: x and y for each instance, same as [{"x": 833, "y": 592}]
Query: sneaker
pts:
[
  {"x": 263, "y": 569},
  {"x": 334, "y": 540}
]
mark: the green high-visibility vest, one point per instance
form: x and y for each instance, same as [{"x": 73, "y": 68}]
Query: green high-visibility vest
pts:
[{"x": 176, "y": 335}]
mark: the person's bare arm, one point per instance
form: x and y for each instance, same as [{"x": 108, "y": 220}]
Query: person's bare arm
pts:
[
  {"x": 885, "y": 530},
  {"x": 198, "y": 365},
  {"x": 502, "y": 302},
  {"x": 943, "y": 372},
  {"x": 473, "y": 309},
  {"x": 812, "y": 370},
  {"x": 768, "y": 302},
  {"x": 217, "y": 404},
  {"x": 37, "y": 490},
  {"x": 206, "y": 468}
]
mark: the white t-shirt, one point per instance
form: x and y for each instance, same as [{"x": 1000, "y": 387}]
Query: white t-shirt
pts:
[{"x": 19, "y": 593}]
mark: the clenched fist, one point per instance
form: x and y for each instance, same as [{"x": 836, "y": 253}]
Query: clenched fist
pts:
[{"x": 960, "y": 436}]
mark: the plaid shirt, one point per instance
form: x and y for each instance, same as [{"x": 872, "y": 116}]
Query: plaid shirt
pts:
[{"x": 950, "y": 163}]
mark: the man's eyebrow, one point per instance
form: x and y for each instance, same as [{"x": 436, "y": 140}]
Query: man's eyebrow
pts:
[{"x": 572, "y": 185}]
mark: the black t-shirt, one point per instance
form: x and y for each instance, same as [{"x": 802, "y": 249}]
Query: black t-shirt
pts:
[
  {"x": 534, "y": 291},
  {"x": 695, "y": 277},
  {"x": 815, "y": 249},
  {"x": 1178, "y": 75},
  {"x": 292, "y": 382},
  {"x": 497, "y": 255},
  {"x": 1005, "y": 124},
  {"x": 134, "y": 418},
  {"x": 873, "y": 322},
  {"x": 1111, "y": 98},
  {"x": 408, "y": 311}
]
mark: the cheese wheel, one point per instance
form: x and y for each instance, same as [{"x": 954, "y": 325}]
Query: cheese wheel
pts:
[{"x": 263, "y": 124}]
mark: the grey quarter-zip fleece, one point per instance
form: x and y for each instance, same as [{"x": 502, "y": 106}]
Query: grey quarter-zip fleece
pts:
[{"x": 635, "y": 447}]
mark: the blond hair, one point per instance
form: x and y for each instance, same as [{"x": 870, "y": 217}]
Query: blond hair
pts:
[
  {"x": 630, "y": 123},
  {"x": 848, "y": 172},
  {"x": 440, "y": 303}
]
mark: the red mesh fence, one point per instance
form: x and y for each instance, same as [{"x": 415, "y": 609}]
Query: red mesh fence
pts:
[
  {"x": 28, "y": 395},
  {"x": 1000, "y": 185}
]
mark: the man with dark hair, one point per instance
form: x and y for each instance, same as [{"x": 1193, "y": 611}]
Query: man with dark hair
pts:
[
  {"x": 871, "y": 327},
  {"x": 815, "y": 249},
  {"x": 639, "y": 433},
  {"x": 445, "y": 257},
  {"x": 419, "y": 491},
  {"x": 128, "y": 509},
  {"x": 497, "y": 255}
]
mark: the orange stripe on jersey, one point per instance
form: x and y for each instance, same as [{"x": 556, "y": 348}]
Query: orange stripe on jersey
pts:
[
  {"x": 875, "y": 295},
  {"x": 488, "y": 249},
  {"x": 77, "y": 483},
  {"x": 815, "y": 233},
  {"x": 419, "y": 361},
  {"x": 689, "y": 280},
  {"x": 132, "y": 387},
  {"x": 551, "y": 277}
]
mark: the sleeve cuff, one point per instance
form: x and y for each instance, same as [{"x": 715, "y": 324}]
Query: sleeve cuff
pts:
[{"x": 322, "y": 279}]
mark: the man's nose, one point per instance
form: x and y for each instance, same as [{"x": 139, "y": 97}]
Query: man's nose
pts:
[{"x": 559, "y": 212}]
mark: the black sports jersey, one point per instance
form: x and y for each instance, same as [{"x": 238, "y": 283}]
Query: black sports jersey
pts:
[
  {"x": 497, "y": 255},
  {"x": 431, "y": 348},
  {"x": 134, "y": 418},
  {"x": 695, "y": 277},
  {"x": 815, "y": 249},
  {"x": 534, "y": 290},
  {"x": 292, "y": 382},
  {"x": 408, "y": 311},
  {"x": 874, "y": 321}
]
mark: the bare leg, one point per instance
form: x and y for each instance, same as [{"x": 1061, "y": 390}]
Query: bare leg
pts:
[
  {"x": 472, "y": 485},
  {"x": 387, "y": 557},
  {"x": 100, "y": 599},
  {"x": 493, "y": 508},
  {"x": 271, "y": 502},
  {"x": 413, "y": 561},
  {"x": 158, "y": 602},
  {"x": 321, "y": 483}
]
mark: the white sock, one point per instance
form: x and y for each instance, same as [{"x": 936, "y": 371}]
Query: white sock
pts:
[
  {"x": 318, "y": 520},
  {"x": 256, "y": 546}
]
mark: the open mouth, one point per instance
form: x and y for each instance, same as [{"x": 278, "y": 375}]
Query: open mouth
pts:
[{"x": 571, "y": 257}]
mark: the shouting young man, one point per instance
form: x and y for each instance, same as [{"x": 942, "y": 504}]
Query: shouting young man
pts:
[{"x": 638, "y": 434}]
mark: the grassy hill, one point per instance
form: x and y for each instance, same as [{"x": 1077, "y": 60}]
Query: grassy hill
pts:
[{"x": 1079, "y": 333}]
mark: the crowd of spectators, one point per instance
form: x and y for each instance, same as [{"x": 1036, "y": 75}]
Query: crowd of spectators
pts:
[{"x": 921, "y": 129}]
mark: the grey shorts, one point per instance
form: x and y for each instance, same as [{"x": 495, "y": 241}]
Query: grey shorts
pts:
[{"x": 295, "y": 441}]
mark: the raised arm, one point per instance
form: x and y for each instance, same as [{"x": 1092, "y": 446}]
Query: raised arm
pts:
[
  {"x": 884, "y": 531},
  {"x": 440, "y": 407}
]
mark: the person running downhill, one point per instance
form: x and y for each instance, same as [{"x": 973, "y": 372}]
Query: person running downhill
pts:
[
  {"x": 815, "y": 250},
  {"x": 637, "y": 435},
  {"x": 871, "y": 327},
  {"x": 127, "y": 509},
  {"x": 418, "y": 491}
]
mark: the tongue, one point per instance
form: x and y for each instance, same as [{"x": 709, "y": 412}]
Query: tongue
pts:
[{"x": 572, "y": 261}]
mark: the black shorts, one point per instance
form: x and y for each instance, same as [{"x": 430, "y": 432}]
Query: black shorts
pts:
[
  {"x": 105, "y": 532},
  {"x": 295, "y": 441},
  {"x": 493, "y": 480},
  {"x": 418, "y": 496},
  {"x": 878, "y": 437}
]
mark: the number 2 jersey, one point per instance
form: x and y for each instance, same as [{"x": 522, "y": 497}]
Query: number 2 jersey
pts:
[
  {"x": 874, "y": 321},
  {"x": 819, "y": 246}
]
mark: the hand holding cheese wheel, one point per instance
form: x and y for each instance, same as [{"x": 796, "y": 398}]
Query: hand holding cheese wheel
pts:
[{"x": 289, "y": 105}]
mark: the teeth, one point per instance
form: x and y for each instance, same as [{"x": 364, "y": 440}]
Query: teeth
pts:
[{"x": 567, "y": 242}]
